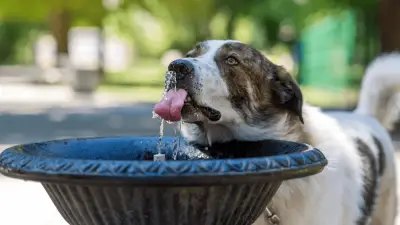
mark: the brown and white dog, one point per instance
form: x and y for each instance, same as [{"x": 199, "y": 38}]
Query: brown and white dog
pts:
[{"x": 227, "y": 90}]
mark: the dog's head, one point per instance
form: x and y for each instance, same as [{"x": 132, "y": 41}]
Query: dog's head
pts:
[{"x": 234, "y": 92}]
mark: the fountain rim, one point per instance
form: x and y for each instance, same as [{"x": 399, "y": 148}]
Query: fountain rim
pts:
[{"x": 13, "y": 163}]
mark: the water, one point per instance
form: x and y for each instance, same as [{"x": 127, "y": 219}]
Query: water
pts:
[
  {"x": 177, "y": 140},
  {"x": 170, "y": 79},
  {"x": 160, "y": 137}
]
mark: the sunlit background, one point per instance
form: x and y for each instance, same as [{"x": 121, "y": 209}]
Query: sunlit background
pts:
[{"x": 79, "y": 68}]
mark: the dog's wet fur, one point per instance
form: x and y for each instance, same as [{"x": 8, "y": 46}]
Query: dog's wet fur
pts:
[{"x": 259, "y": 100}]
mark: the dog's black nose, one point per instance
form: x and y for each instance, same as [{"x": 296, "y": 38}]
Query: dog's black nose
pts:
[{"x": 181, "y": 67}]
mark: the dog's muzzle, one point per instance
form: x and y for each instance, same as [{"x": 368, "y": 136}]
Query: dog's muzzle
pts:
[
  {"x": 184, "y": 73},
  {"x": 180, "y": 101}
]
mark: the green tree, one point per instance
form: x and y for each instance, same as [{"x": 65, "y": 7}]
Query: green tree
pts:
[{"x": 60, "y": 15}]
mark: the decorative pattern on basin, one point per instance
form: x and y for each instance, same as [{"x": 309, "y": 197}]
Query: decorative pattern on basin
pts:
[{"x": 99, "y": 181}]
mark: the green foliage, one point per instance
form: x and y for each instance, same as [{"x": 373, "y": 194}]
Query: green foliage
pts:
[
  {"x": 17, "y": 41},
  {"x": 185, "y": 22},
  {"x": 38, "y": 10},
  {"x": 298, "y": 13},
  {"x": 156, "y": 25},
  {"x": 153, "y": 26},
  {"x": 17, "y": 34}
]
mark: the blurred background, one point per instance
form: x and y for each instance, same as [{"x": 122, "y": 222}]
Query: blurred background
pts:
[{"x": 81, "y": 68}]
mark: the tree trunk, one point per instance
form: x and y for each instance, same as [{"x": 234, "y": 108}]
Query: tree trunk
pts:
[
  {"x": 59, "y": 22},
  {"x": 389, "y": 25}
]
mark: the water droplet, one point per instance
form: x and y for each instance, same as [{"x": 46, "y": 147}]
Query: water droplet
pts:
[{"x": 154, "y": 115}]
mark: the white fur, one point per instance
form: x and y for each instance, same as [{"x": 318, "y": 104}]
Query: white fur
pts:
[
  {"x": 380, "y": 82},
  {"x": 334, "y": 196}
]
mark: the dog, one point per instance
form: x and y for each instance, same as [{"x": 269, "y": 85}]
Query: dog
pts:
[{"x": 227, "y": 90}]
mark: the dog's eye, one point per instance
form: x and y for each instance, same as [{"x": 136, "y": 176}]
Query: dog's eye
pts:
[{"x": 231, "y": 61}]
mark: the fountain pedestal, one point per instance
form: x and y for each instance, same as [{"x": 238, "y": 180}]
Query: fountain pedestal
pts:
[{"x": 114, "y": 181}]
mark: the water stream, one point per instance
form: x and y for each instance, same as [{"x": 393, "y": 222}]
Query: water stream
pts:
[{"x": 170, "y": 79}]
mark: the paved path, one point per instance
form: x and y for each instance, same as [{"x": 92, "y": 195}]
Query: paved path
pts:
[
  {"x": 56, "y": 95},
  {"x": 44, "y": 124}
]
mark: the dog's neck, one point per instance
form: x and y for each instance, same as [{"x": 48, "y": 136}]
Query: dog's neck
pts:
[{"x": 286, "y": 127}]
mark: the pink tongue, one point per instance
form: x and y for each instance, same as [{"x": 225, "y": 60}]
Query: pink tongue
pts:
[{"x": 170, "y": 107}]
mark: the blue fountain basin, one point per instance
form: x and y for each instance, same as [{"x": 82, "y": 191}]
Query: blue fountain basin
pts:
[{"x": 95, "y": 181}]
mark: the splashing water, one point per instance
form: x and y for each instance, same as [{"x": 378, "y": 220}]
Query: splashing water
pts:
[
  {"x": 170, "y": 80},
  {"x": 160, "y": 137},
  {"x": 177, "y": 141}
]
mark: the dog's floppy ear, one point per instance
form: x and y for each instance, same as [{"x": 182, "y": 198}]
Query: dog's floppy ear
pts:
[{"x": 286, "y": 92}]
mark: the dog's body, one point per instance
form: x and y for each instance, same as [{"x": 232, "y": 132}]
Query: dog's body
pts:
[
  {"x": 236, "y": 93},
  {"x": 353, "y": 189}
]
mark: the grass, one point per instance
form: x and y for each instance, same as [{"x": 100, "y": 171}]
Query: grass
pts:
[
  {"x": 330, "y": 98},
  {"x": 146, "y": 73},
  {"x": 134, "y": 93},
  {"x": 144, "y": 82},
  {"x": 318, "y": 97}
]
